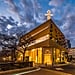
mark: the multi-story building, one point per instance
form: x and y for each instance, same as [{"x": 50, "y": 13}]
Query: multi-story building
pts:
[
  {"x": 68, "y": 43},
  {"x": 71, "y": 52},
  {"x": 49, "y": 45},
  {"x": 5, "y": 55}
]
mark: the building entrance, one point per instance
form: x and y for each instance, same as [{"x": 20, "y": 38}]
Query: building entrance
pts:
[
  {"x": 47, "y": 59},
  {"x": 47, "y": 56}
]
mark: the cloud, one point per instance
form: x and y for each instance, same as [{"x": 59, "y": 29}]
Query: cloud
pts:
[
  {"x": 13, "y": 8},
  {"x": 68, "y": 28},
  {"x": 9, "y": 26},
  {"x": 56, "y": 2},
  {"x": 0, "y": 29},
  {"x": 65, "y": 25},
  {"x": 26, "y": 10},
  {"x": 32, "y": 10},
  {"x": 64, "y": 17}
]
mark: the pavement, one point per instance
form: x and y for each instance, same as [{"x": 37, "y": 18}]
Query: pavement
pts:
[
  {"x": 68, "y": 68},
  {"x": 15, "y": 71},
  {"x": 46, "y": 72},
  {"x": 54, "y": 66},
  {"x": 60, "y": 69}
]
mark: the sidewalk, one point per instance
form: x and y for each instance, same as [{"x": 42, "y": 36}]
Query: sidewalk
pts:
[
  {"x": 54, "y": 72},
  {"x": 11, "y": 72},
  {"x": 55, "y": 66},
  {"x": 59, "y": 65}
]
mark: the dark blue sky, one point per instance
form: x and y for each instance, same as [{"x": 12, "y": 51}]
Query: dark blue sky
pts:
[{"x": 31, "y": 12}]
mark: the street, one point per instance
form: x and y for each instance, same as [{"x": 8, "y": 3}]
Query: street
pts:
[
  {"x": 63, "y": 70},
  {"x": 45, "y": 72},
  {"x": 67, "y": 69}
]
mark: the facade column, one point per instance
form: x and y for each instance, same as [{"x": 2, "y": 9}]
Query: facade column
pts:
[
  {"x": 42, "y": 55},
  {"x": 37, "y": 55},
  {"x": 60, "y": 55},
  {"x": 52, "y": 57}
]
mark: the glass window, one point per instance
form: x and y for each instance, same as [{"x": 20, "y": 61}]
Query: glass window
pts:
[
  {"x": 36, "y": 55},
  {"x": 57, "y": 53},
  {"x": 51, "y": 26},
  {"x": 39, "y": 60},
  {"x": 59, "y": 38},
  {"x": 50, "y": 30},
  {"x": 56, "y": 35},
  {"x": 50, "y": 37}
]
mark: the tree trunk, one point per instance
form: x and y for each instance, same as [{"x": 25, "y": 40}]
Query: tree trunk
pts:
[
  {"x": 13, "y": 55},
  {"x": 24, "y": 55}
]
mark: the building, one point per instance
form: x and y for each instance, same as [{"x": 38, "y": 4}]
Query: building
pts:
[
  {"x": 68, "y": 43},
  {"x": 48, "y": 47},
  {"x": 5, "y": 55},
  {"x": 71, "y": 52}
]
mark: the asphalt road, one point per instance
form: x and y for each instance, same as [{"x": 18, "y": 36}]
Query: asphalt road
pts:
[
  {"x": 63, "y": 70},
  {"x": 67, "y": 69},
  {"x": 45, "y": 72}
]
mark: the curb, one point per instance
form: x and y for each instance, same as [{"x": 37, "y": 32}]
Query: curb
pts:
[
  {"x": 54, "y": 66},
  {"x": 57, "y": 72},
  {"x": 16, "y": 71},
  {"x": 59, "y": 65},
  {"x": 27, "y": 71}
]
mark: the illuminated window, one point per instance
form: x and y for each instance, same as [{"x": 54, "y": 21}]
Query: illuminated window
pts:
[
  {"x": 36, "y": 55},
  {"x": 32, "y": 55},
  {"x": 57, "y": 55},
  {"x": 20, "y": 57},
  {"x": 27, "y": 53},
  {"x": 47, "y": 57},
  {"x": 39, "y": 55}
]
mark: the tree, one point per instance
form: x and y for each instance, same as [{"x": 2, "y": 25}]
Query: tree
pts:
[
  {"x": 9, "y": 43},
  {"x": 24, "y": 42},
  {"x": 13, "y": 47},
  {"x": 10, "y": 34}
]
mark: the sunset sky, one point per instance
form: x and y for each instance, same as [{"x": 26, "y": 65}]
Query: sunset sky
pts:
[{"x": 31, "y": 12}]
